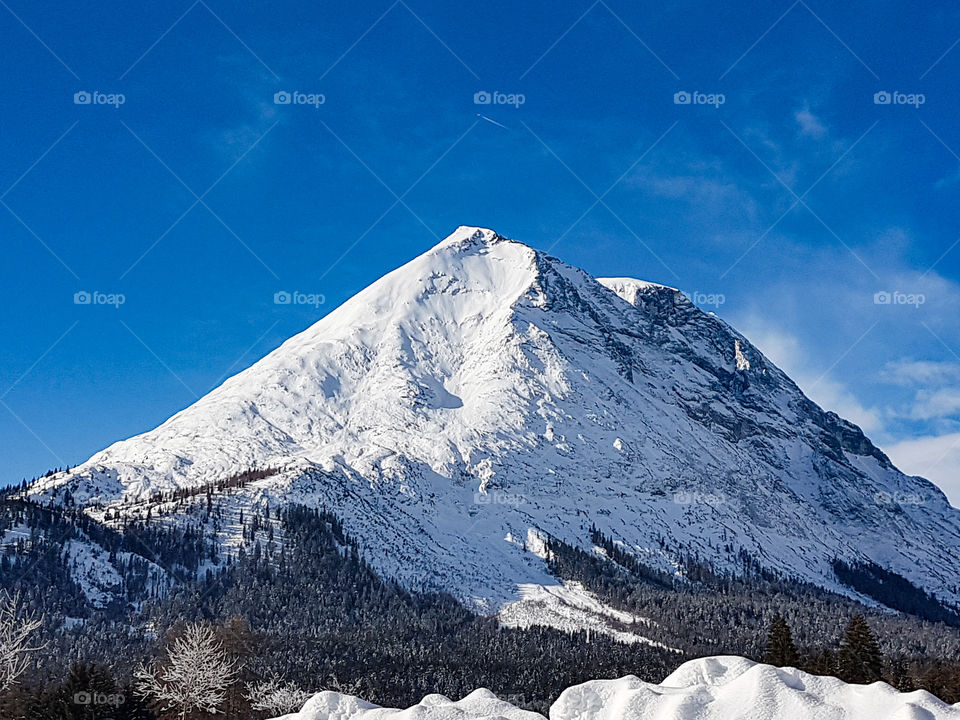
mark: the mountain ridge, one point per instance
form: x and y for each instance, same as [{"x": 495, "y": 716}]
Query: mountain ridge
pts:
[{"x": 486, "y": 394}]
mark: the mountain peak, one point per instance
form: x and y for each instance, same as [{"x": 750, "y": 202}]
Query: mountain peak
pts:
[
  {"x": 485, "y": 391},
  {"x": 471, "y": 234}
]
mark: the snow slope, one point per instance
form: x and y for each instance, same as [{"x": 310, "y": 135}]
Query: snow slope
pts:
[
  {"x": 485, "y": 395},
  {"x": 713, "y": 688},
  {"x": 570, "y": 607}
]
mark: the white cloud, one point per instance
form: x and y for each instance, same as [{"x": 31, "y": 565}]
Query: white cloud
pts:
[
  {"x": 810, "y": 124},
  {"x": 936, "y": 384},
  {"x": 707, "y": 191},
  {"x": 920, "y": 372},
  {"x": 942, "y": 403},
  {"x": 936, "y": 458},
  {"x": 689, "y": 187}
]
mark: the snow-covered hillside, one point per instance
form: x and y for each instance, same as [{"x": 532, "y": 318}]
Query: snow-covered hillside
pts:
[
  {"x": 570, "y": 607},
  {"x": 486, "y": 394},
  {"x": 713, "y": 688}
]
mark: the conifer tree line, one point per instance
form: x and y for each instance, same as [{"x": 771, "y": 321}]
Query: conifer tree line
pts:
[
  {"x": 858, "y": 660},
  {"x": 297, "y": 609}
]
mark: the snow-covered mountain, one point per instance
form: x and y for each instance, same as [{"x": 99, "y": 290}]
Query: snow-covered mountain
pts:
[
  {"x": 486, "y": 395},
  {"x": 712, "y": 688}
]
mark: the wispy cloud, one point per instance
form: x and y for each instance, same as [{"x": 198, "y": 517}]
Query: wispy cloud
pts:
[
  {"x": 908, "y": 372},
  {"x": 932, "y": 404},
  {"x": 810, "y": 124},
  {"x": 935, "y": 458}
]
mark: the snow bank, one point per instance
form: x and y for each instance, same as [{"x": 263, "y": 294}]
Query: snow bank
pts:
[
  {"x": 479, "y": 705},
  {"x": 715, "y": 688},
  {"x": 732, "y": 688}
]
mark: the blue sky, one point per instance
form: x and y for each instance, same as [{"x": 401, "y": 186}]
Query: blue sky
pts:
[{"x": 798, "y": 198}]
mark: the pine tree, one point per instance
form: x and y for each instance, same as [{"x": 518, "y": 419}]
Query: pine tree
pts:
[
  {"x": 859, "y": 659},
  {"x": 822, "y": 663},
  {"x": 780, "y": 648},
  {"x": 898, "y": 676}
]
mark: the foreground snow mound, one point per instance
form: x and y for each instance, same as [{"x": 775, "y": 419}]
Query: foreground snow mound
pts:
[
  {"x": 479, "y": 705},
  {"x": 733, "y": 688},
  {"x": 713, "y": 688}
]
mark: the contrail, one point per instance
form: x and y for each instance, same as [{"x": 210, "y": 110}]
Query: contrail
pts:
[{"x": 492, "y": 121}]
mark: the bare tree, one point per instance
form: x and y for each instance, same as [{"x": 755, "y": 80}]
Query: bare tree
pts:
[
  {"x": 276, "y": 696},
  {"x": 197, "y": 674},
  {"x": 16, "y": 627}
]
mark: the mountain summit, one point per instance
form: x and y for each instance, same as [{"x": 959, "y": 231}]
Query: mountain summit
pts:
[{"x": 486, "y": 395}]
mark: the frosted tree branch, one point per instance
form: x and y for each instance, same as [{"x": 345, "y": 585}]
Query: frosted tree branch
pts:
[
  {"x": 16, "y": 627},
  {"x": 197, "y": 674},
  {"x": 276, "y": 697}
]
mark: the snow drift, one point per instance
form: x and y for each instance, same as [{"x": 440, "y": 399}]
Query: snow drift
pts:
[
  {"x": 479, "y": 705},
  {"x": 713, "y": 688}
]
